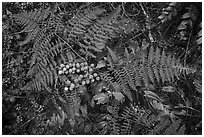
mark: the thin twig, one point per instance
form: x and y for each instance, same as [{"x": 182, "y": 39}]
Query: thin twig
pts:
[{"x": 70, "y": 47}]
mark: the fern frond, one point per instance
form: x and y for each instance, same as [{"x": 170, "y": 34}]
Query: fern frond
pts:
[
  {"x": 101, "y": 31},
  {"x": 159, "y": 127},
  {"x": 32, "y": 19},
  {"x": 31, "y": 22},
  {"x": 174, "y": 128},
  {"x": 137, "y": 119},
  {"x": 156, "y": 66},
  {"x": 120, "y": 79}
]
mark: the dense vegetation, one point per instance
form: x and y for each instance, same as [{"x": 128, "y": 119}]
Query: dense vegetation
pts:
[{"x": 102, "y": 68}]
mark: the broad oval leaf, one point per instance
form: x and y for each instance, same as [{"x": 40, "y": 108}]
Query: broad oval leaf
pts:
[
  {"x": 88, "y": 128},
  {"x": 168, "y": 89},
  {"x": 119, "y": 96},
  {"x": 157, "y": 105},
  {"x": 152, "y": 95},
  {"x": 101, "y": 98},
  {"x": 101, "y": 64},
  {"x": 84, "y": 110}
]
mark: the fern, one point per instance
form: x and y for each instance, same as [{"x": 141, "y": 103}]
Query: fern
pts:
[
  {"x": 72, "y": 104},
  {"x": 136, "y": 120},
  {"x": 32, "y": 19},
  {"x": 78, "y": 24},
  {"x": 31, "y": 22},
  {"x": 159, "y": 127},
  {"x": 114, "y": 122},
  {"x": 175, "y": 128},
  {"x": 165, "y": 127},
  {"x": 148, "y": 66},
  {"x": 101, "y": 31},
  {"x": 139, "y": 121},
  {"x": 165, "y": 68}
]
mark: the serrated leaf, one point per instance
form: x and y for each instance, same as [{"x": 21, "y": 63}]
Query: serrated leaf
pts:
[
  {"x": 8, "y": 12},
  {"x": 145, "y": 44},
  {"x": 101, "y": 125},
  {"x": 119, "y": 96},
  {"x": 199, "y": 41},
  {"x": 169, "y": 9},
  {"x": 113, "y": 56},
  {"x": 183, "y": 112},
  {"x": 168, "y": 89},
  {"x": 173, "y": 4},
  {"x": 84, "y": 110},
  {"x": 101, "y": 64},
  {"x": 157, "y": 105},
  {"x": 161, "y": 17},
  {"x": 110, "y": 109},
  {"x": 186, "y": 15},
  {"x": 99, "y": 87},
  {"x": 152, "y": 95},
  {"x": 101, "y": 98},
  {"x": 199, "y": 33},
  {"x": 88, "y": 128}
]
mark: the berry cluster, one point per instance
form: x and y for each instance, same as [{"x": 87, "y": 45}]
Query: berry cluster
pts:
[{"x": 78, "y": 74}]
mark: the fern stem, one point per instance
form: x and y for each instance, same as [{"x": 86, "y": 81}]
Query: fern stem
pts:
[{"x": 70, "y": 47}]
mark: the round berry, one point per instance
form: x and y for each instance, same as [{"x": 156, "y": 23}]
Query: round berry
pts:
[
  {"x": 82, "y": 64},
  {"x": 66, "y": 72},
  {"x": 90, "y": 69},
  {"x": 70, "y": 64},
  {"x": 86, "y": 67},
  {"x": 92, "y": 65},
  {"x": 85, "y": 63},
  {"x": 70, "y": 70},
  {"x": 87, "y": 81},
  {"x": 77, "y": 85},
  {"x": 70, "y": 88},
  {"x": 83, "y": 82},
  {"x": 79, "y": 79},
  {"x": 77, "y": 65},
  {"x": 90, "y": 76},
  {"x": 73, "y": 69},
  {"x": 73, "y": 64},
  {"x": 64, "y": 69},
  {"x": 68, "y": 82},
  {"x": 78, "y": 70},
  {"x": 81, "y": 76},
  {"x": 67, "y": 66},
  {"x": 92, "y": 80},
  {"x": 86, "y": 75},
  {"x": 82, "y": 68},
  {"x": 72, "y": 85},
  {"x": 76, "y": 80},
  {"x": 97, "y": 78},
  {"x": 60, "y": 72},
  {"x": 66, "y": 88},
  {"x": 95, "y": 74},
  {"x": 61, "y": 65}
]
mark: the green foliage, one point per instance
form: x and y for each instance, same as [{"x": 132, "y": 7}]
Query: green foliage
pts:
[{"x": 102, "y": 68}]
